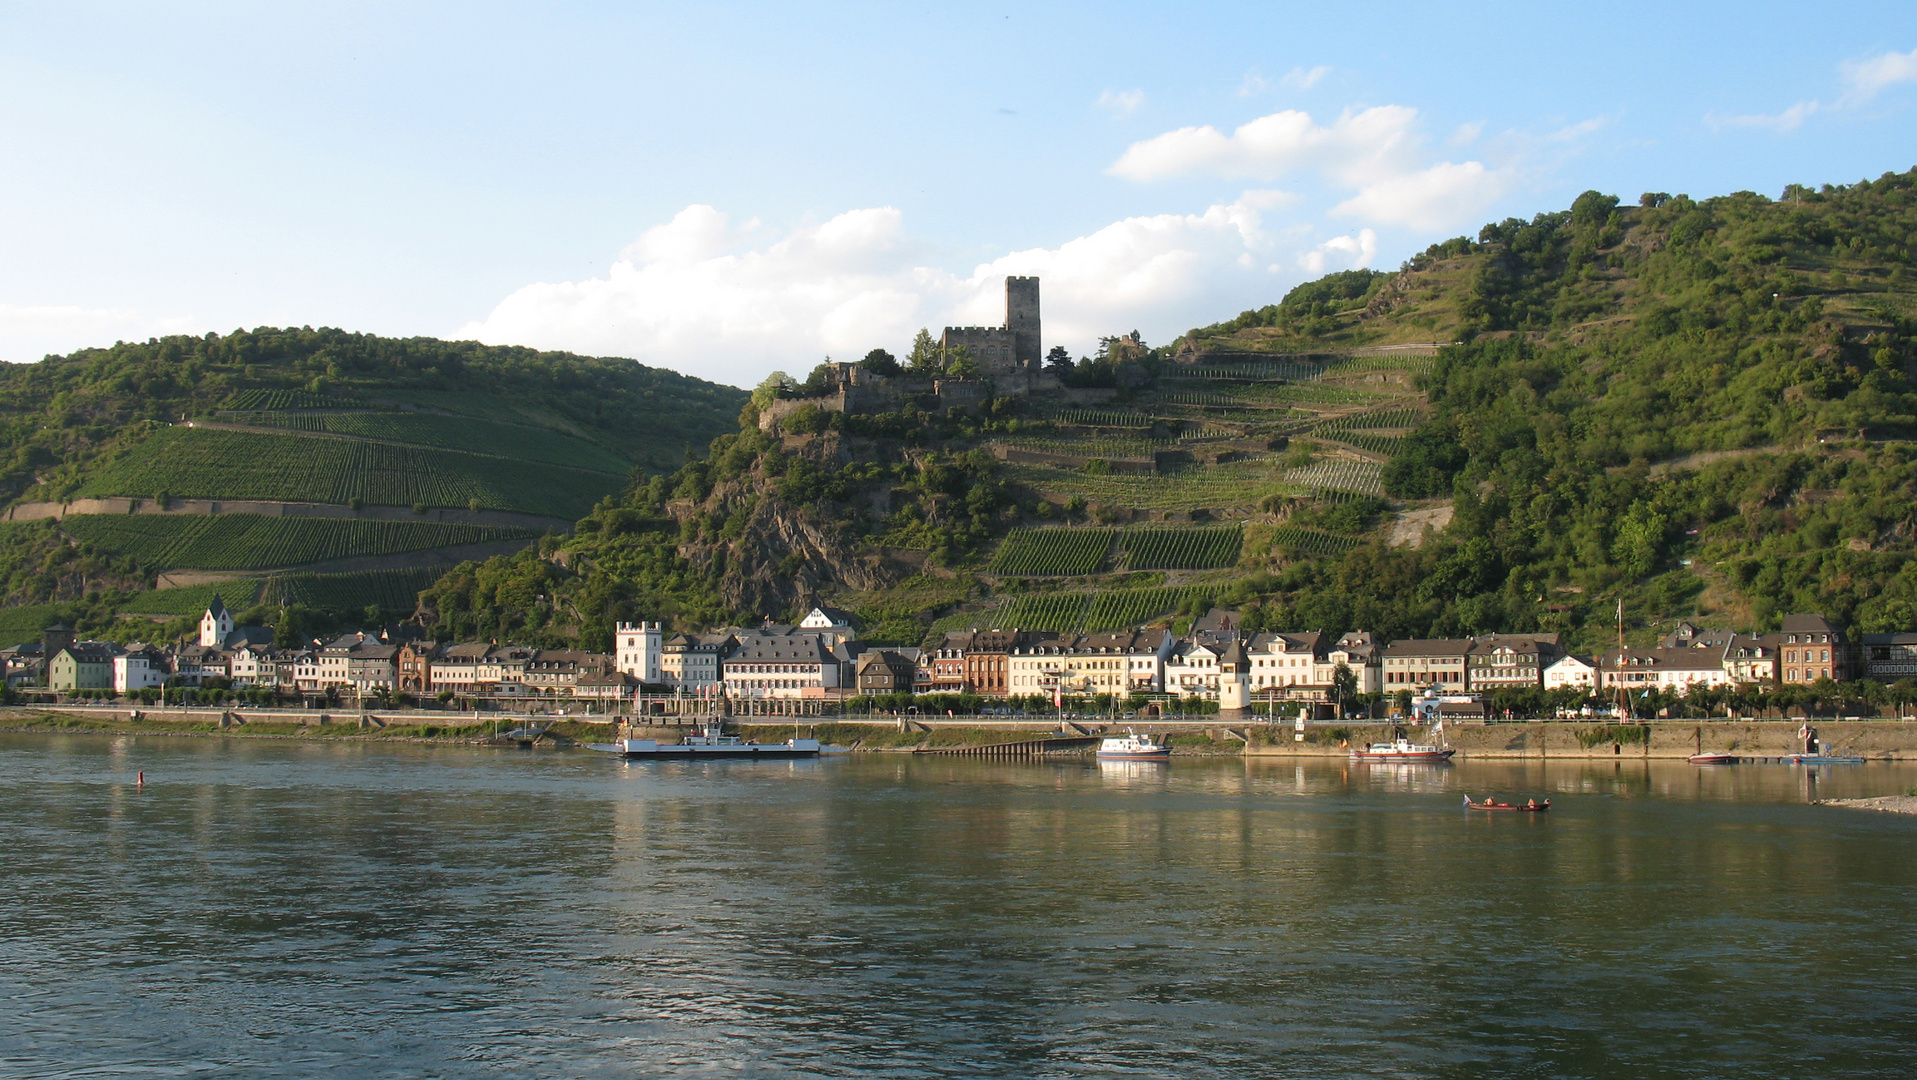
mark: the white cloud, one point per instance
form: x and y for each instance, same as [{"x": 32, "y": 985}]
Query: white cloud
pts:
[
  {"x": 1352, "y": 251},
  {"x": 1866, "y": 78},
  {"x": 1430, "y": 198},
  {"x": 1377, "y": 153},
  {"x": 694, "y": 296},
  {"x": 1121, "y": 102},
  {"x": 1300, "y": 79},
  {"x": 1254, "y": 84},
  {"x": 1355, "y": 147},
  {"x": 28, "y": 333}
]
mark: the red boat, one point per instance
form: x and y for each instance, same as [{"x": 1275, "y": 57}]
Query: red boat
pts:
[{"x": 1532, "y": 807}]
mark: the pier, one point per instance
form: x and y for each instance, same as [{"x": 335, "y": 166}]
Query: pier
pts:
[{"x": 1024, "y": 748}]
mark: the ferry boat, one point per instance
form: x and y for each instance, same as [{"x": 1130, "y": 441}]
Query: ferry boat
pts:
[
  {"x": 1404, "y": 750},
  {"x": 1133, "y": 747},
  {"x": 711, "y": 742}
]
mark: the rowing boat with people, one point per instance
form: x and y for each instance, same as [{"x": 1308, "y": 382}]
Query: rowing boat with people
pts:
[{"x": 1529, "y": 806}]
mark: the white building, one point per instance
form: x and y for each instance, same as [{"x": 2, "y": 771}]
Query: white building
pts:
[
  {"x": 1122, "y": 662},
  {"x": 215, "y": 624},
  {"x": 637, "y": 651},
  {"x": 138, "y": 669},
  {"x": 1571, "y": 673},
  {"x": 1192, "y": 670},
  {"x": 783, "y": 666},
  {"x": 1663, "y": 669}
]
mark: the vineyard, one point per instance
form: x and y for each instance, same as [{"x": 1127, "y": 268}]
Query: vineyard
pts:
[
  {"x": 1052, "y": 552},
  {"x": 274, "y": 400},
  {"x": 1090, "y": 446},
  {"x": 1181, "y": 549},
  {"x": 23, "y": 624},
  {"x": 1376, "y": 419},
  {"x": 459, "y": 433},
  {"x": 1359, "y": 477},
  {"x": 1099, "y": 418},
  {"x": 208, "y": 464},
  {"x": 253, "y": 542},
  {"x": 1237, "y": 484},
  {"x": 1088, "y": 612},
  {"x": 1311, "y": 541}
]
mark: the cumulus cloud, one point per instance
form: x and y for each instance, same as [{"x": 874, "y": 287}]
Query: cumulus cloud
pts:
[
  {"x": 729, "y": 303},
  {"x": 1352, "y": 252},
  {"x": 1428, "y": 199},
  {"x": 1121, "y": 102},
  {"x": 1356, "y": 146},
  {"x": 1377, "y": 152},
  {"x": 1787, "y": 121}
]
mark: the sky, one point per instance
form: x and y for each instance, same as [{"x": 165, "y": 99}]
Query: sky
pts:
[{"x": 726, "y": 189}]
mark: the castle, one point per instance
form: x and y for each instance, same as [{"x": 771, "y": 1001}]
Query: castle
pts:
[
  {"x": 1009, "y": 349},
  {"x": 1011, "y": 362}
]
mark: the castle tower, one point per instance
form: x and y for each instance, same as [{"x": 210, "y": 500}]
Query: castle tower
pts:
[
  {"x": 216, "y": 625},
  {"x": 1234, "y": 678},
  {"x": 1021, "y": 318},
  {"x": 638, "y": 647}
]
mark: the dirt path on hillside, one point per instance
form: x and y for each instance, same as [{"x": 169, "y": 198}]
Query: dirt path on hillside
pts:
[
  {"x": 352, "y": 564},
  {"x": 1408, "y": 529},
  {"x": 272, "y": 508}
]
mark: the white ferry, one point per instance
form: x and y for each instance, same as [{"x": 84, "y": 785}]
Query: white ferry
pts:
[
  {"x": 1133, "y": 747},
  {"x": 712, "y": 742},
  {"x": 1403, "y": 750}
]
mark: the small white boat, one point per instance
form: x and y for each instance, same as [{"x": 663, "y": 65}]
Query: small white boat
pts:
[
  {"x": 1133, "y": 747},
  {"x": 712, "y": 742},
  {"x": 1714, "y": 758},
  {"x": 1403, "y": 750}
]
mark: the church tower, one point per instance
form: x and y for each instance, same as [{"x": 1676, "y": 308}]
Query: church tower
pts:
[{"x": 216, "y": 625}]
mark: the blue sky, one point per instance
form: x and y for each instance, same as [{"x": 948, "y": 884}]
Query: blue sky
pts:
[{"x": 730, "y": 188}]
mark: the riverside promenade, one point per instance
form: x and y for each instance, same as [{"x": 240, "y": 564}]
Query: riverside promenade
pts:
[{"x": 1887, "y": 740}]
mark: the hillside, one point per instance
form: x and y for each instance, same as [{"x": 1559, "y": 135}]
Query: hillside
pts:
[
  {"x": 318, "y": 468},
  {"x": 1699, "y": 407}
]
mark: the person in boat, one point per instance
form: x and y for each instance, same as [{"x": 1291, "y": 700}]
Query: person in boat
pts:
[{"x": 1530, "y": 804}]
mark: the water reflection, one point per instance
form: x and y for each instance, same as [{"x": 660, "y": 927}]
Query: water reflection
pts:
[{"x": 275, "y": 909}]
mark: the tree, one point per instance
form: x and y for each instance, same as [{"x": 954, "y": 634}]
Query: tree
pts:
[
  {"x": 1344, "y": 686},
  {"x": 924, "y": 358},
  {"x": 772, "y": 388},
  {"x": 880, "y": 362},
  {"x": 959, "y": 362},
  {"x": 1058, "y": 361}
]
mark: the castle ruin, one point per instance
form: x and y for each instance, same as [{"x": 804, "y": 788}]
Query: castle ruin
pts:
[{"x": 1009, "y": 349}]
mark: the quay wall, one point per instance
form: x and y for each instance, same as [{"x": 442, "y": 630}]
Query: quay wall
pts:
[{"x": 1669, "y": 739}]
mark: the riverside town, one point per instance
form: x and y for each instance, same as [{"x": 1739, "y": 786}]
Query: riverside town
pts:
[{"x": 818, "y": 667}]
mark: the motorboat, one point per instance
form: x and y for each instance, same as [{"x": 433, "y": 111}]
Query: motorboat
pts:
[
  {"x": 1529, "y": 807},
  {"x": 1133, "y": 747},
  {"x": 1714, "y": 759},
  {"x": 1402, "y": 749},
  {"x": 711, "y": 742}
]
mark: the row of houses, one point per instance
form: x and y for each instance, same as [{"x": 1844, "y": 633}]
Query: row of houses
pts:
[{"x": 820, "y": 657}]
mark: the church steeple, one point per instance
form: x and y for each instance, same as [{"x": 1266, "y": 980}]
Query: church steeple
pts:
[{"x": 216, "y": 625}]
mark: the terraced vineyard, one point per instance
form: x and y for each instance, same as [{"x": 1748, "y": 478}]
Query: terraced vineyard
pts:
[
  {"x": 1358, "y": 477},
  {"x": 1236, "y": 484},
  {"x": 209, "y": 464},
  {"x": 458, "y": 433},
  {"x": 254, "y": 542},
  {"x": 1181, "y": 549},
  {"x": 1377, "y": 418},
  {"x": 1088, "y": 612},
  {"x": 1101, "y": 418},
  {"x": 269, "y": 400},
  {"x": 1091, "y": 446},
  {"x": 1052, "y": 552},
  {"x": 22, "y": 624},
  {"x": 1311, "y": 541}
]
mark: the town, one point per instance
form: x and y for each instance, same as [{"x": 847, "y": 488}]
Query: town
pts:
[{"x": 819, "y": 666}]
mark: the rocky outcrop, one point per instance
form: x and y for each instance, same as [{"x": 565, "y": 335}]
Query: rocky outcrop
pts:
[{"x": 787, "y": 558}]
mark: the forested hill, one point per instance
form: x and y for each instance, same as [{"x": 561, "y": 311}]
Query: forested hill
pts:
[
  {"x": 1702, "y": 408},
  {"x": 58, "y": 414}
]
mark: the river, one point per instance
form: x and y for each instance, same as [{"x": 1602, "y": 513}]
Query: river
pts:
[{"x": 268, "y": 908}]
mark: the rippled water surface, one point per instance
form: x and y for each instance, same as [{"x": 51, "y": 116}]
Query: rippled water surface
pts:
[{"x": 268, "y": 908}]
